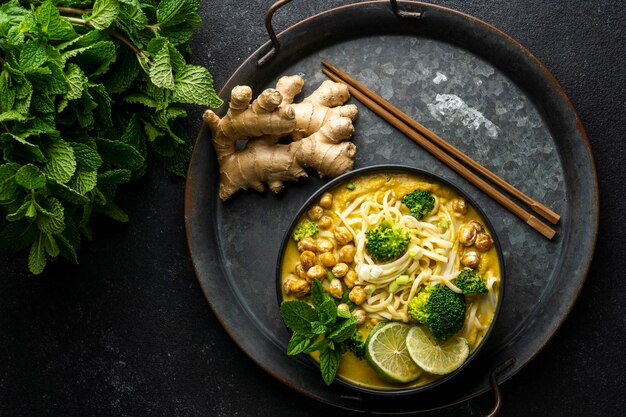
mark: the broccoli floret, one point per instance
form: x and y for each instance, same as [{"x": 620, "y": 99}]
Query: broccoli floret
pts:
[
  {"x": 440, "y": 309},
  {"x": 356, "y": 345},
  {"x": 385, "y": 242},
  {"x": 419, "y": 202},
  {"x": 470, "y": 282},
  {"x": 306, "y": 228}
]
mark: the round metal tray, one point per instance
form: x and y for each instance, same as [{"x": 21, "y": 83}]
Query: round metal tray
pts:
[{"x": 472, "y": 85}]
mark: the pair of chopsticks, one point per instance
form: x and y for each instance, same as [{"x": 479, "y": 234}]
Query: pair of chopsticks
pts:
[{"x": 438, "y": 147}]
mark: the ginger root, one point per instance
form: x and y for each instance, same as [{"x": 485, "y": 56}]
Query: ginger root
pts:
[{"x": 318, "y": 127}]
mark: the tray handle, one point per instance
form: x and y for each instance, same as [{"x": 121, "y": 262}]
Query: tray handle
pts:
[
  {"x": 493, "y": 381},
  {"x": 280, "y": 3}
]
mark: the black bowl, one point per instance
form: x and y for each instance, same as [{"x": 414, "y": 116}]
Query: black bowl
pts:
[{"x": 393, "y": 168}]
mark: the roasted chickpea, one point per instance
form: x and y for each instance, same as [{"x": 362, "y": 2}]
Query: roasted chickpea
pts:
[
  {"x": 483, "y": 242},
  {"x": 350, "y": 278},
  {"x": 346, "y": 254},
  {"x": 357, "y": 295},
  {"x": 300, "y": 271},
  {"x": 342, "y": 235},
  {"x": 467, "y": 234},
  {"x": 326, "y": 200},
  {"x": 316, "y": 272},
  {"x": 343, "y": 307},
  {"x": 328, "y": 259},
  {"x": 324, "y": 245},
  {"x": 340, "y": 270},
  {"x": 459, "y": 205},
  {"x": 315, "y": 213},
  {"x": 470, "y": 259},
  {"x": 325, "y": 222},
  {"x": 307, "y": 243},
  {"x": 360, "y": 316},
  {"x": 335, "y": 288},
  {"x": 307, "y": 259},
  {"x": 296, "y": 286},
  {"x": 478, "y": 226}
]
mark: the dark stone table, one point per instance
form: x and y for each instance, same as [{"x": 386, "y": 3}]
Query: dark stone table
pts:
[{"x": 129, "y": 333}]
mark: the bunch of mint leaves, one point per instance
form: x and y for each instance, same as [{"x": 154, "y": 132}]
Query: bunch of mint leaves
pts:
[
  {"x": 87, "y": 91},
  {"x": 318, "y": 327}
]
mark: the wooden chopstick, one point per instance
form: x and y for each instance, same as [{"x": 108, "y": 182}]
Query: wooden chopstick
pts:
[
  {"x": 537, "y": 207},
  {"x": 433, "y": 149}
]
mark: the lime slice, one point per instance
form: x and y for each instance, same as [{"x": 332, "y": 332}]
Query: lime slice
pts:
[
  {"x": 387, "y": 354},
  {"x": 436, "y": 357}
]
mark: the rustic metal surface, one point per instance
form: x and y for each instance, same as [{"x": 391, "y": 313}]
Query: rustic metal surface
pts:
[{"x": 471, "y": 85}]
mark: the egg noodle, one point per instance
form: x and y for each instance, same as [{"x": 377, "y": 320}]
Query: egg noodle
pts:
[{"x": 431, "y": 258}]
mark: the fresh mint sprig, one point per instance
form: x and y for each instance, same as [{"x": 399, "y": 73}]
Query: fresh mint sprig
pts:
[
  {"x": 318, "y": 327},
  {"x": 87, "y": 91}
]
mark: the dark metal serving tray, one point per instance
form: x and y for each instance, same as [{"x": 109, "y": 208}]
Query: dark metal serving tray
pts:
[{"x": 474, "y": 86}]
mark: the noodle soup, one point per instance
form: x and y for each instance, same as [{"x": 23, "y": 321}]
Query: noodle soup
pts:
[{"x": 446, "y": 239}]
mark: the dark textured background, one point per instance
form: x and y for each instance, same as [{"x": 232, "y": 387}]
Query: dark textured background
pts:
[{"x": 129, "y": 333}]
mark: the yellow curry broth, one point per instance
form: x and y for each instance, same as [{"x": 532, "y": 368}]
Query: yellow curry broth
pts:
[{"x": 351, "y": 368}]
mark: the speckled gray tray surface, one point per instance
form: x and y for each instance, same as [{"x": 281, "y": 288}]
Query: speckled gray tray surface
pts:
[{"x": 472, "y": 86}]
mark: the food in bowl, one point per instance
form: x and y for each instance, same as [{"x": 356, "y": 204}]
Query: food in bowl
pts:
[{"x": 390, "y": 279}]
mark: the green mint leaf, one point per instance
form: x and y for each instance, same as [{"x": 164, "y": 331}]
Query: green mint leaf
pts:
[
  {"x": 66, "y": 193},
  {"x": 94, "y": 59},
  {"x": 320, "y": 345},
  {"x": 37, "y": 256},
  {"x": 114, "y": 177},
  {"x": 52, "y": 218},
  {"x": 77, "y": 82},
  {"x": 52, "y": 24},
  {"x": 7, "y": 93},
  {"x": 120, "y": 154},
  {"x": 161, "y": 72},
  {"x": 104, "y": 13},
  {"x": 328, "y": 311},
  {"x": 121, "y": 76},
  {"x": 42, "y": 102},
  {"x": 22, "y": 87},
  {"x": 134, "y": 136},
  {"x": 17, "y": 235},
  {"x": 344, "y": 331},
  {"x": 9, "y": 189},
  {"x": 329, "y": 363},
  {"x": 173, "y": 12},
  {"x": 317, "y": 327},
  {"x": 66, "y": 249},
  {"x": 12, "y": 115},
  {"x": 30, "y": 177},
  {"x": 298, "y": 316},
  {"x": 24, "y": 147},
  {"x": 178, "y": 162},
  {"x": 50, "y": 245},
  {"x": 297, "y": 344},
  {"x": 27, "y": 209},
  {"x": 182, "y": 32},
  {"x": 318, "y": 294},
  {"x": 57, "y": 83},
  {"x": 61, "y": 161},
  {"x": 83, "y": 181},
  {"x": 32, "y": 55},
  {"x": 139, "y": 98},
  {"x": 113, "y": 211},
  {"x": 87, "y": 158},
  {"x": 103, "y": 104},
  {"x": 344, "y": 314},
  {"x": 194, "y": 85}
]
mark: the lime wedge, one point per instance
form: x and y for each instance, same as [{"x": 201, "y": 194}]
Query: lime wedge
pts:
[
  {"x": 436, "y": 357},
  {"x": 387, "y": 353}
]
